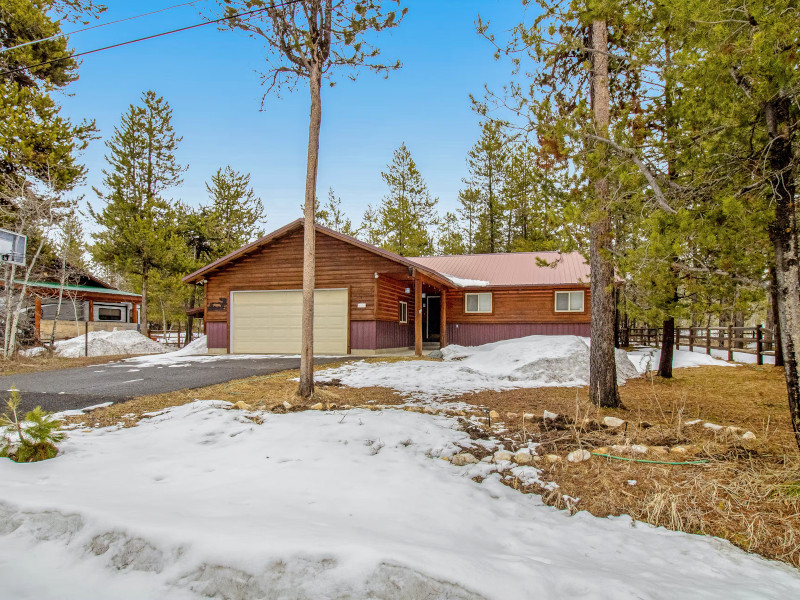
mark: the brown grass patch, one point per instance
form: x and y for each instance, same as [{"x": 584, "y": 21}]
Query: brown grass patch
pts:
[{"x": 36, "y": 364}]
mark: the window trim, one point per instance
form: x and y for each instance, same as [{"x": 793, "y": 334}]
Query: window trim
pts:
[
  {"x": 403, "y": 305},
  {"x": 569, "y": 301},
  {"x": 479, "y": 311}
]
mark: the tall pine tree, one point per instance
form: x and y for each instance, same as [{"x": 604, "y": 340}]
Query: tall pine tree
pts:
[
  {"x": 487, "y": 163},
  {"x": 138, "y": 231},
  {"x": 236, "y": 209}
]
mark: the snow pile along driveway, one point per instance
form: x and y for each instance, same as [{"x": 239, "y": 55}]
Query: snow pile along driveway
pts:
[
  {"x": 529, "y": 362},
  {"x": 201, "y": 502},
  {"x": 104, "y": 343}
]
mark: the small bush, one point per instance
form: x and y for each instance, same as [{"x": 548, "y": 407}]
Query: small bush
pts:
[{"x": 32, "y": 439}]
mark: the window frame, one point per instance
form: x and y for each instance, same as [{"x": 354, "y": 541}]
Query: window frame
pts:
[
  {"x": 569, "y": 308},
  {"x": 402, "y": 308},
  {"x": 479, "y": 311},
  {"x": 117, "y": 309}
]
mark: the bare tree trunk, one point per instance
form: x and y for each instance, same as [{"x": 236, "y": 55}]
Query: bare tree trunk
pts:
[
  {"x": 145, "y": 328},
  {"x": 773, "y": 314},
  {"x": 602, "y": 364},
  {"x": 667, "y": 347},
  {"x": 783, "y": 233},
  {"x": 306, "y": 388},
  {"x": 190, "y": 317}
]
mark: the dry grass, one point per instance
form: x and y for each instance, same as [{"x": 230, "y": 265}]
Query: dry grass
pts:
[
  {"x": 36, "y": 364},
  {"x": 746, "y": 492}
]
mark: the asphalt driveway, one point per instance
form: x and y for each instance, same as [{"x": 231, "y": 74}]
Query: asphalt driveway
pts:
[{"x": 122, "y": 380}]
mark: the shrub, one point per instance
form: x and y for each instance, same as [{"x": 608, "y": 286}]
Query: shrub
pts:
[{"x": 32, "y": 439}]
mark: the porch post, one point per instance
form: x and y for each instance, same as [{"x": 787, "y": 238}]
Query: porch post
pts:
[
  {"x": 37, "y": 317},
  {"x": 134, "y": 313},
  {"x": 417, "y": 317},
  {"x": 443, "y": 318}
]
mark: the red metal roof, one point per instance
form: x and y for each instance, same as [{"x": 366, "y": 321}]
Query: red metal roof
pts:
[{"x": 514, "y": 269}]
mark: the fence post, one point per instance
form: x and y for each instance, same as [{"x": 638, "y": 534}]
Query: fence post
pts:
[
  {"x": 691, "y": 339},
  {"x": 730, "y": 342},
  {"x": 86, "y": 338},
  {"x": 708, "y": 340},
  {"x": 677, "y": 338},
  {"x": 759, "y": 345}
]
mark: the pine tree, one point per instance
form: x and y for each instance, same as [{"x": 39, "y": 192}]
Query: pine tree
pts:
[
  {"x": 138, "y": 229},
  {"x": 332, "y": 216},
  {"x": 486, "y": 162},
  {"x": 451, "y": 236},
  {"x": 237, "y": 210},
  {"x": 407, "y": 213}
]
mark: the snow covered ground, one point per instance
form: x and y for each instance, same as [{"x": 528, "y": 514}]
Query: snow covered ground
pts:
[
  {"x": 528, "y": 362},
  {"x": 646, "y": 359},
  {"x": 103, "y": 343},
  {"x": 201, "y": 502}
]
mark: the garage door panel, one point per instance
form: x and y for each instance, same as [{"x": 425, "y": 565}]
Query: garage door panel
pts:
[{"x": 270, "y": 322}]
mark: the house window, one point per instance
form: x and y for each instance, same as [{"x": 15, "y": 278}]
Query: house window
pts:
[
  {"x": 478, "y": 303},
  {"x": 404, "y": 312},
  {"x": 569, "y": 301},
  {"x": 109, "y": 314}
]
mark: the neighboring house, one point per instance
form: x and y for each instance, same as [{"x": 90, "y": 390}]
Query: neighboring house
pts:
[
  {"x": 86, "y": 300},
  {"x": 369, "y": 300}
]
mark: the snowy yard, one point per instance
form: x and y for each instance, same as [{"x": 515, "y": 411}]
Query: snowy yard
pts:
[{"x": 356, "y": 504}]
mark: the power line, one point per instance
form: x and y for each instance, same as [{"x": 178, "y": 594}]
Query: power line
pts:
[
  {"x": 58, "y": 35},
  {"x": 150, "y": 37}
]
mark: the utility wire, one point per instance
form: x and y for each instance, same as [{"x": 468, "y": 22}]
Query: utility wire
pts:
[
  {"x": 150, "y": 37},
  {"x": 58, "y": 35}
]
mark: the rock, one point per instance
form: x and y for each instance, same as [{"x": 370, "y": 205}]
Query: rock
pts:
[
  {"x": 639, "y": 449},
  {"x": 286, "y": 405},
  {"x": 241, "y": 405},
  {"x": 613, "y": 422},
  {"x": 317, "y": 406},
  {"x": 621, "y": 449},
  {"x": 660, "y": 449},
  {"x": 462, "y": 459},
  {"x": 601, "y": 450},
  {"x": 346, "y": 407},
  {"x": 430, "y": 410},
  {"x": 494, "y": 415},
  {"x": 435, "y": 354},
  {"x": 502, "y": 455},
  {"x": 678, "y": 450},
  {"x": 732, "y": 429},
  {"x": 528, "y": 416},
  {"x": 749, "y": 436},
  {"x": 486, "y": 459},
  {"x": 579, "y": 456},
  {"x": 712, "y": 426},
  {"x": 511, "y": 416},
  {"x": 552, "y": 458},
  {"x": 523, "y": 457},
  {"x": 547, "y": 415}
]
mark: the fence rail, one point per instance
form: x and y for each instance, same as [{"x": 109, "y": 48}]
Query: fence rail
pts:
[{"x": 756, "y": 340}]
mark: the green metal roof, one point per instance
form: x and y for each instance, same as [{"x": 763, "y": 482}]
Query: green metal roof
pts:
[{"x": 78, "y": 288}]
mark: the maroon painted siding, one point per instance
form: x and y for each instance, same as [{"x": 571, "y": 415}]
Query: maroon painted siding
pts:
[
  {"x": 362, "y": 335},
  {"x": 392, "y": 334},
  {"x": 475, "y": 334},
  {"x": 217, "y": 335}
]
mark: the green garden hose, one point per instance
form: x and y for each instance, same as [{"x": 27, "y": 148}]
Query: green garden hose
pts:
[{"x": 654, "y": 462}]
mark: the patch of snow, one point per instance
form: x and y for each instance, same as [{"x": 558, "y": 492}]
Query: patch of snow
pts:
[
  {"x": 201, "y": 502},
  {"x": 646, "y": 359},
  {"x": 80, "y": 411},
  {"x": 103, "y": 343},
  {"x": 528, "y": 362},
  {"x": 461, "y": 282}
]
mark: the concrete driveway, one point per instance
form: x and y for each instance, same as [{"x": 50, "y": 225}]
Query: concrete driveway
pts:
[{"x": 122, "y": 380}]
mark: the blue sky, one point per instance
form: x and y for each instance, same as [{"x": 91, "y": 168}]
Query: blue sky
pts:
[{"x": 209, "y": 77}]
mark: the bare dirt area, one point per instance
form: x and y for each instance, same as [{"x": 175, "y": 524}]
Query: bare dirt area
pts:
[
  {"x": 742, "y": 477},
  {"x": 36, "y": 364}
]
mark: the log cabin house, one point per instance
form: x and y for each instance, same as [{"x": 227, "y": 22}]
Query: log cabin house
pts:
[{"x": 372, "y": 301}]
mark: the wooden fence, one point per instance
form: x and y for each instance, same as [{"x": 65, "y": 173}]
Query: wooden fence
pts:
[{"x": 756, "y": 340}]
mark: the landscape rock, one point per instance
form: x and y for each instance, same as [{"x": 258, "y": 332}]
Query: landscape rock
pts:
[
  {"x": 712, "y": 426},
  {"x": 510, "y": 416},
  {"x": 435, "y": 354},
  {"x": 286, "y": 405},
  {"x": 242, "y": 405},
  {"x": 639, "y": 449},
  {"x": 613, "y": 422},
  {"x": 678, "y": 450},
  {"x": 317, "y": 406},
  {"x": 749, "y": 436},
  {"x": 502, "y": 455},
  {"x": 579, "y": 456},
  {"x": 463, "y": 459},
  {"x": 602, "y": 450},
  {"x": 523, "y": 457},
  {"x": 549, "y": 416},
  {"x": 494, "y": 415},
  {"x": 660, "y": 449},
  {"x": 528, "y": 416},
  {"x": 552, "y": 458}
]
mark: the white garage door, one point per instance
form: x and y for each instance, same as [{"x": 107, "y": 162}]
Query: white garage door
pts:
[{"x": 270, "y": 322}]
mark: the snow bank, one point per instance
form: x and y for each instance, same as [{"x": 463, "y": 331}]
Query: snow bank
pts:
[
  {"x": 193, "y": 348},
  {"x": 104, "y": 343},
  {"x": 646, "y": 359},
  {"x": 529, "y": 362},
  {"x": 201, "y": 502}
]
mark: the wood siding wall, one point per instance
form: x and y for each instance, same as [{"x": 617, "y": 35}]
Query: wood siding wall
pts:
[
  {"x": 389, "y": 295},
  {"x": 475, "y": 334},
  {"x": 522, "y": 305},
  {"x": 376, "y": 335},
  {"x": 217, "y": 335},
  {"x": 279, "y": 266}
]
